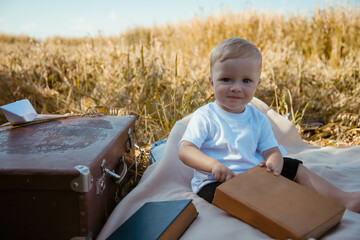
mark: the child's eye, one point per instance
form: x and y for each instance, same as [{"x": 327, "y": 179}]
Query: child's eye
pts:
[
  {"x": 246, "y": 80},
  {"x": 226, "y": 79}
]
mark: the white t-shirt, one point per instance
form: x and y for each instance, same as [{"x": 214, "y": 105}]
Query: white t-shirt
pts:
[{"x": 235, "y": 139}]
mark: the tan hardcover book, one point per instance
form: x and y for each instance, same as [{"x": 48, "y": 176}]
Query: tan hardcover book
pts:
[{"x": 277, "y": 206}]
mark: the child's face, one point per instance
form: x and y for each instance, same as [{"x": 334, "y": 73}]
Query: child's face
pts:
[{"x": 234, "y": 82}]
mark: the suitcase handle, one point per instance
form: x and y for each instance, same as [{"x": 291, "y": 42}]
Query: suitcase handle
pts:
[
  {"x": 121, "y": 175},
  {"x": 100, "y": 183}
]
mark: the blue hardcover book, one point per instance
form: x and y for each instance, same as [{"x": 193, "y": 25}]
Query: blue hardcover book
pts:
[{"x": 157, "y": 220}]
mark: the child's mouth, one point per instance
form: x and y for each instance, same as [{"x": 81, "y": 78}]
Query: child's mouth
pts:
[{"x": 233, "y": 97}]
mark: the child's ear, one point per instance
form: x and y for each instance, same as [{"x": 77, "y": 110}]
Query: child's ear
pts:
[
  {"x": 259, "y": 82},
  {"x": 211, "y": 81}
]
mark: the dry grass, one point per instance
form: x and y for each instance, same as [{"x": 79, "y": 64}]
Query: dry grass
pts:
[{"x": 311, "y": 71}]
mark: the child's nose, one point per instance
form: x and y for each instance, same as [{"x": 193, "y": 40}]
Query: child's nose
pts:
[{"x": 235, "y": 86}]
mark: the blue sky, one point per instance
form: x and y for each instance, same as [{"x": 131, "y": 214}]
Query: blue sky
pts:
[{"x": 76, "y": 18}]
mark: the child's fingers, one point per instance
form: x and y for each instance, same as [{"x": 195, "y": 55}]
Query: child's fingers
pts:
[
  {"x": 219, "y": 179},
  {"x": 229, "y": 176},
  {"x": 276, "y": 171},
  {"x": 269, "y": 167},
  {"x": 222, "y": 173},
  {"x": 224, "y": 176},
  {"x": 218, "y": 176}
]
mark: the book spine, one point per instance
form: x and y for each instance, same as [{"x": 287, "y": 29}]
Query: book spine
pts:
[
  {"x": 180, "y": 224},
  {"x": 251, "y": 216}
]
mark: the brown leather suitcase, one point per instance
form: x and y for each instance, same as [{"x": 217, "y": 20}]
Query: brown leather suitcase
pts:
[{"x": 55, "y": 176}]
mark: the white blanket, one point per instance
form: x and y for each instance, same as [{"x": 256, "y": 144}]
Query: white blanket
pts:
[{"x": 169, "y": 179}]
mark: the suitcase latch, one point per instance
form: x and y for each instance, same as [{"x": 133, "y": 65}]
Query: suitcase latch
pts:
[
  {"x": 101, "y": 181},
  {"x": 83, "y": 182}
]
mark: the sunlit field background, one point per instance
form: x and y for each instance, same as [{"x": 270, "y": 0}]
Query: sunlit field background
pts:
[{"x": 160, "y": 74}]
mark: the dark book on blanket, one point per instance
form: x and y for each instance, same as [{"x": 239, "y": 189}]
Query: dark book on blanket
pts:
[
  {"x": 158, "y": 220},
  {"x": 277, "y": 206}
]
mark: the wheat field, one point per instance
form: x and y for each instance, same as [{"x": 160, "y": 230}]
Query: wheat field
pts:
[{"x": 311, "y": 71}]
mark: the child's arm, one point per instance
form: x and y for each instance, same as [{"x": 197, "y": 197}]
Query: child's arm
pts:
[
  {"x": 190, "y": 155},
  {"x": 273, "y": 160}
]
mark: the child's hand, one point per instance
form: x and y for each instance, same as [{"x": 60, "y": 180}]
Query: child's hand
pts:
[
  {"x": 221, "y": 172},
  {"x": 271, "y": 167},
  {"x": 273, "y": 160}
]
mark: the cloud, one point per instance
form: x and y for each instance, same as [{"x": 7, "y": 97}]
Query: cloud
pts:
[
  {"x": 3, "y": 25},
  {"x": 82, "y": 24},
  {"x": 28, "y": 27},
  {"x": 113, "y": 17}
]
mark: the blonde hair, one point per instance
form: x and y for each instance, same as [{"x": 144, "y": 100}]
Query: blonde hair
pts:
[{"x": 234, "y": 48}]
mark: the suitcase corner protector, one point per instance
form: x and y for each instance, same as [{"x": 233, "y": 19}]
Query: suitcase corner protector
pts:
[{"x": 84, "y": 182}]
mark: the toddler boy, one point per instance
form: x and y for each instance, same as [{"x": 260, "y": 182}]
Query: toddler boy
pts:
[{"x": 228, "y": 136}]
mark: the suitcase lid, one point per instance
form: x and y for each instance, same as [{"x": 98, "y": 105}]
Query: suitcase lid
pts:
[{"x": 57, "y": 147}]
